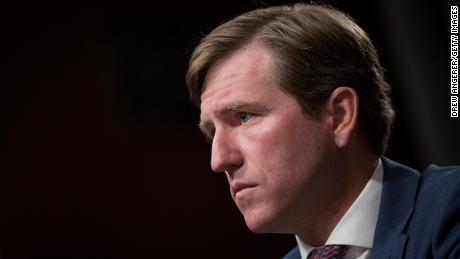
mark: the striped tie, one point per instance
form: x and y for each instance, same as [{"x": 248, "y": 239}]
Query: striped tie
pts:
[{"x": 329, "y": 252}]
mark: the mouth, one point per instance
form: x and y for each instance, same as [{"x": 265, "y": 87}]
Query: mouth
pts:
[{"x": 239, "y": 188}]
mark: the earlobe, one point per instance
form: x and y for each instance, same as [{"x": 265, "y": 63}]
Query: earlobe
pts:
[{"x": 343, "y": 106}]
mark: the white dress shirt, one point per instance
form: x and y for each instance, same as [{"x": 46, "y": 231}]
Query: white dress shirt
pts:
[{"x": 357, "y": 226}]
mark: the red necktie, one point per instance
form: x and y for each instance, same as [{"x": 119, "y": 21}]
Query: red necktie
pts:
[{"x": 329, "y": 252}]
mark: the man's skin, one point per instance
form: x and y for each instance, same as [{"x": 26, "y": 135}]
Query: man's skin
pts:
[{"x": 288, "y": 172}]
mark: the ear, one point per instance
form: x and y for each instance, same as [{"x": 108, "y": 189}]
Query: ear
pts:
[{"x": 342, "y": 106}]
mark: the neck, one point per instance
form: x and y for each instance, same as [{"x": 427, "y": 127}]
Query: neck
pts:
[{"x": 350, "y": 176}]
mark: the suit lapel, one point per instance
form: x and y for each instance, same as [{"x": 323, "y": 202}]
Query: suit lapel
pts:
[
  {"x": 293, "y": 254},
  {"x": 399, "y": 191}
]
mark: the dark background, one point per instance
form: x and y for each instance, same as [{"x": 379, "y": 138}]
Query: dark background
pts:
[{"x": 100, "y": 153}]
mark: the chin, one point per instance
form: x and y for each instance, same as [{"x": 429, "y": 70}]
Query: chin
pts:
[
  {"x": 261, "y": 223},
  {"x": 257, "y": 228}
]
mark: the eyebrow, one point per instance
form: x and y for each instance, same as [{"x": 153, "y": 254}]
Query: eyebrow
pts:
[
  {"x": 244, "y": 105},
  {"x": 250, "y": 106}
]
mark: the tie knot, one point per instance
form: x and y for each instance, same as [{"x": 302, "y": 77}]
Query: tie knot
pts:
[{"x": 329, "y": 252}]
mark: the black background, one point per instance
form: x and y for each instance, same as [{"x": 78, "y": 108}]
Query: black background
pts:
[{"x": 100, "y": 153}]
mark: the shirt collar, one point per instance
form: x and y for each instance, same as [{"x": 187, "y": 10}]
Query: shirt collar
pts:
[{"x": 357, "y": 226}]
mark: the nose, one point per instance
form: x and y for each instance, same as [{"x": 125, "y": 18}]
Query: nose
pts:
[{"x": 226, "y": 155}]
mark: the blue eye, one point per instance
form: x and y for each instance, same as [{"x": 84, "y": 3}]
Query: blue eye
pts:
[{"x": 244, "y": 117}]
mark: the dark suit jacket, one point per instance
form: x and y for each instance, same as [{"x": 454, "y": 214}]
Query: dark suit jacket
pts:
[{"x": 419, "y": 215}]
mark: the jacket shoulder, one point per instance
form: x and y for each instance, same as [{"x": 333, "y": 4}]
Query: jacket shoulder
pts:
[
  {"x": 437, "y": 212},
  {"x": 434, "y": 172},
  {"x": 439, "y": 181}
]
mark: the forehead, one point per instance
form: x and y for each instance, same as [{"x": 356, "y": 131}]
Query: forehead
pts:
[{"x": 246, "y": 75}]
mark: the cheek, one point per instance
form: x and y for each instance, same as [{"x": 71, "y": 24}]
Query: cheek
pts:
[
  {"x": 266, "y": 144},
  {"x": 264, "y": 150},
  {"x": 285, "y": 153}
]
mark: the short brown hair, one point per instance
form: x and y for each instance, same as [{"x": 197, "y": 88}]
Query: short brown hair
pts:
[{"x": 316, "y": 49}]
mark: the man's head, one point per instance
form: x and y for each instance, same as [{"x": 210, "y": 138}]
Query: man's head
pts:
[
  {"x": 316, "y": 49},
  {"x": 285, "y": 93}
]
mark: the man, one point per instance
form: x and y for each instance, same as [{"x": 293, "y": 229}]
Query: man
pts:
[{"x": 294, "y": 101}]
